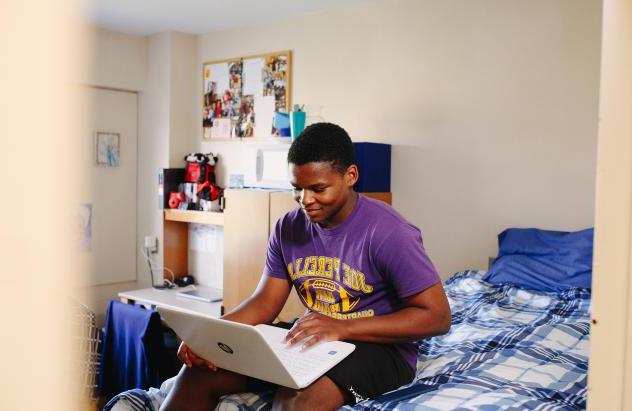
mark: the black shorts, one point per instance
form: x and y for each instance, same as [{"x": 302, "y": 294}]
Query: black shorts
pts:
[{"x": 370, "y": 370}]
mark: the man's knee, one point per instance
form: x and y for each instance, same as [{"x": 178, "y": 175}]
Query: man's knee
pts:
[
  {"x": 199, "y": 388},
  {"x": 218, "y": 382},
  {"x": 324, "y": 394}
]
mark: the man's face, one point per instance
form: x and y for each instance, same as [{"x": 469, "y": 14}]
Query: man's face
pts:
[{"x": 324, "y": 193}]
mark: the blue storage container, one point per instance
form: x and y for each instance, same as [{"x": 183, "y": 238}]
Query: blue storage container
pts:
[{"x": 374, "y": 162}]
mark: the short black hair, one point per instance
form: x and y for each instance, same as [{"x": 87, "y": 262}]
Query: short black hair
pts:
[{"x": 323, "y": 142}]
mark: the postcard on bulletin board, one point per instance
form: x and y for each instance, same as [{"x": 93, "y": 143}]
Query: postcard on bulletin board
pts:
[{"x": 242, "y": 94}]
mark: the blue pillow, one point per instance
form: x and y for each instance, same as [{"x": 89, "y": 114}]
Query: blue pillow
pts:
[{"x": 543, "y": 260}]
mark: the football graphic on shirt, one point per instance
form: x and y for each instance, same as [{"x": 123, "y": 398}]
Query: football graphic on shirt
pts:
[{"x": 326, "y": 296}]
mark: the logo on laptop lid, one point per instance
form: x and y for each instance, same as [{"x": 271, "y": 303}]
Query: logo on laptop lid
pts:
[{"x": 225, "y": 348}]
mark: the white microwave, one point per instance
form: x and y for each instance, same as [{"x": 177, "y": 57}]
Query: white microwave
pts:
[{"x": 267, "y": 168}]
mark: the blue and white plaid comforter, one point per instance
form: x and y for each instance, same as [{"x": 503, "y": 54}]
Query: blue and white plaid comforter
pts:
[{"x": 508, "y": 349}]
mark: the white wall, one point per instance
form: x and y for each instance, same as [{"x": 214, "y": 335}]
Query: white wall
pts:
[
  {"x": 491, "y": 107},
  {"x": 184, "y": 96},
  {"x": 153, "y": 143}
]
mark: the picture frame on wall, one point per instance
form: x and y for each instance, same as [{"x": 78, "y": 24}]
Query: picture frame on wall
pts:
[{"x": 108, "y": 149}]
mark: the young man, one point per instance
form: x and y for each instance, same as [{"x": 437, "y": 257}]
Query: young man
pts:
[{"x": 361, "y": 271}]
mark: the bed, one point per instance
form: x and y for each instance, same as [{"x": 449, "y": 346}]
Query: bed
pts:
[{"x": 510, "y": 348}]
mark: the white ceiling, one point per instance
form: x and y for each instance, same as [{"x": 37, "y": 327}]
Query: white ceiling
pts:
[{"x": 146, "y": 17}]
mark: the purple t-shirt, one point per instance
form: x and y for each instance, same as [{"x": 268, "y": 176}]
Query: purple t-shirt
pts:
[{"x": 362, "y": 267}]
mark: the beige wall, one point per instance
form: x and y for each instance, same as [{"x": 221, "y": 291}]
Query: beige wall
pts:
[
  {"x": 184, "y": 96},
  {"x": 117, "y": 60},
  {"x": 153, "y": 148},
  {"x": 610, "y": 379},
  {"x": 491, "y": 107}
]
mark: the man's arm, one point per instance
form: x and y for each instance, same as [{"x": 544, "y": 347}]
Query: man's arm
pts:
[
  {"x": 425, "y": 314},
  {"x": 263, "y": 306}
]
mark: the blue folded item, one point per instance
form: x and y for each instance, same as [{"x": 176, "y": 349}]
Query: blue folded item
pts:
[
  {"x": 133, "y": 351},
  {"x": 543, "y": 260}
]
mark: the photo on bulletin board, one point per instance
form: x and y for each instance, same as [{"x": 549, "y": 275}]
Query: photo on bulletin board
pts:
[{"x": 240, "y": 95}]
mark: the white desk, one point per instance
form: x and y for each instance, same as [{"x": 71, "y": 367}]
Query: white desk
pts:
[{"x": 169, "y": 298}]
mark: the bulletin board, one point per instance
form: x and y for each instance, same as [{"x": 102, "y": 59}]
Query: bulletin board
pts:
[{"x": 240, "y": 95}]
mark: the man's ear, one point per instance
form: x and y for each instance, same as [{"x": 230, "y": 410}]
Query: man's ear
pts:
[{"x": 351, "y": 175}]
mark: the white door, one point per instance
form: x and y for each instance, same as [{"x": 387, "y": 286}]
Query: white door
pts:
[{"x": 110, "y": 155}]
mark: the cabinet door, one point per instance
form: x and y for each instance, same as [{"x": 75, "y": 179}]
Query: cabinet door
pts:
[
  {"x": 246, "y": 230},
  {"x": 281, "y": 203}
]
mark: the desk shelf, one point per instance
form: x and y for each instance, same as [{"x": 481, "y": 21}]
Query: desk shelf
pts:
[
  {"x": 198, "y": 217},
  {"x": 169, "y": 298},
  {"x": 176, "y": 236}
]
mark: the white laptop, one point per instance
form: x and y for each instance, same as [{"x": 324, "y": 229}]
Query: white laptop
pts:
[{"x": 256, "y": 351}]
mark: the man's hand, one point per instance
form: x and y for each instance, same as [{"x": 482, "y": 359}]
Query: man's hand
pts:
[
  {"x": 423, "y": 315},
  {"x": 315, "y": 327},
  {"x": 191, "y": 359}
]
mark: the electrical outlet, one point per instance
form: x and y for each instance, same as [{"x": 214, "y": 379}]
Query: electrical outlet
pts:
[{"x": 151, "y": 244}]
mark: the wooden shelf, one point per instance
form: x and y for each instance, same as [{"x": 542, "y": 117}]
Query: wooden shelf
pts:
[{"x": 198, "y": 217}]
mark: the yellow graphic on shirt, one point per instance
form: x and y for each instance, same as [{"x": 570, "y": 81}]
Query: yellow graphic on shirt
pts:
[{"x": 325, "y": 291}]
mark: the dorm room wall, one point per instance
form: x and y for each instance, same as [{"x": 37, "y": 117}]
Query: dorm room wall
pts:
[
  {"x": 162, "y": 69},
  {"x": 116, "y": 62},
  {"x": 491, "y": 107}
]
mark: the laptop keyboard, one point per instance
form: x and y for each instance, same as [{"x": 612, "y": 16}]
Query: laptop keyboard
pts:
[
  {"x": 303, "y": 366},
  {"x": 299, "y": 363}
]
